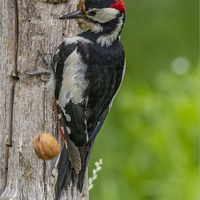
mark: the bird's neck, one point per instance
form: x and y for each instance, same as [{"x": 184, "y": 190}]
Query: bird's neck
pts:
[{"x": 106, "y": 34}]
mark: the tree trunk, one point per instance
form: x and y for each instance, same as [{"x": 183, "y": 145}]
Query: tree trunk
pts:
[{"x": 26, "y": 109}]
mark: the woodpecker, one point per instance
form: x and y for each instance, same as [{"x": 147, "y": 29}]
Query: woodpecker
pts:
[{"x": 88, "y": 70}]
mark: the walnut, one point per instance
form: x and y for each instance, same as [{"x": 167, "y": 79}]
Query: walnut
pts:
[{"x": 46, "y": 146}]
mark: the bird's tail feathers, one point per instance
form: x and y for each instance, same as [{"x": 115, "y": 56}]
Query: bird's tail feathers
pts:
[
  {"x": 64, "y": 173},
  {"x": 85, "y": 153}
]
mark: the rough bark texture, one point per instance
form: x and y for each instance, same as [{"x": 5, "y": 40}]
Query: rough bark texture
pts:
[{"x": 25, "y": 107}]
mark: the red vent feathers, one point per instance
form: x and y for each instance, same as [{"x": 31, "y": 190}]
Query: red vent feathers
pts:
[{"x": 119, "y": 5}]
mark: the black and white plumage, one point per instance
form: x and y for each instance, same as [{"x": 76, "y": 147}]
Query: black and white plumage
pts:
[{"x": 87, "y": 72}]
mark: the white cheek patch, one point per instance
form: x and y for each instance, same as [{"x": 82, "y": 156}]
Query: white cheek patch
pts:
[{"x": 105, "y": 15}]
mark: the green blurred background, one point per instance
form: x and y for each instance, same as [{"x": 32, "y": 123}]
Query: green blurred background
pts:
[{"x": 149, "y": 143}]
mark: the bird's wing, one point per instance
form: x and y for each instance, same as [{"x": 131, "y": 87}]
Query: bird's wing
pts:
[{"x": 69, "y": 87}]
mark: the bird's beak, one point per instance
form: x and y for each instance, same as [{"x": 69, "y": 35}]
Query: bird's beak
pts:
[{"x": 73, "y": 15}]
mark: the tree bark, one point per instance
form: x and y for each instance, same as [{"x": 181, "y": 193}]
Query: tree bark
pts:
[{"x": 26, "y": 109}]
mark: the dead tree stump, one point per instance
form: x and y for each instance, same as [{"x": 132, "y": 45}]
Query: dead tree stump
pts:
[{"x": 25, "y": 107}]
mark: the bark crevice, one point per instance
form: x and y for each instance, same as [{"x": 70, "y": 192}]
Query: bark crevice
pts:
[
  {"x": 15, "y": 73},
  {"x": 14, "y": 79},
  {"x": 10, "y": 131}
]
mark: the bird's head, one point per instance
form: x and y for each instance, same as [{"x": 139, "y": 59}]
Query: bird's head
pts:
[{"x": 99, "y": 15}]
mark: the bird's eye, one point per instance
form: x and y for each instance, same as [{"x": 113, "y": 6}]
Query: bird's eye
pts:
[{"x": 92, "y": 13}]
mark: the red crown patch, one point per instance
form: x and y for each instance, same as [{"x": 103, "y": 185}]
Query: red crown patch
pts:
[{"x": 119, "y": 5}]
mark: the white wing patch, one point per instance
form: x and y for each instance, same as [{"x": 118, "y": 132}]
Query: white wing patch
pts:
[
  {"x": 68, "y": 130},
  {"x": 67, "y": 116},
  {"x": 75, "y": 40},
  {"x": 74, "y": 83}
]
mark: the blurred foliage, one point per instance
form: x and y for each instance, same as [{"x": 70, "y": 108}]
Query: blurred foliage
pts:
[{"x": 149, "y": 143}]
